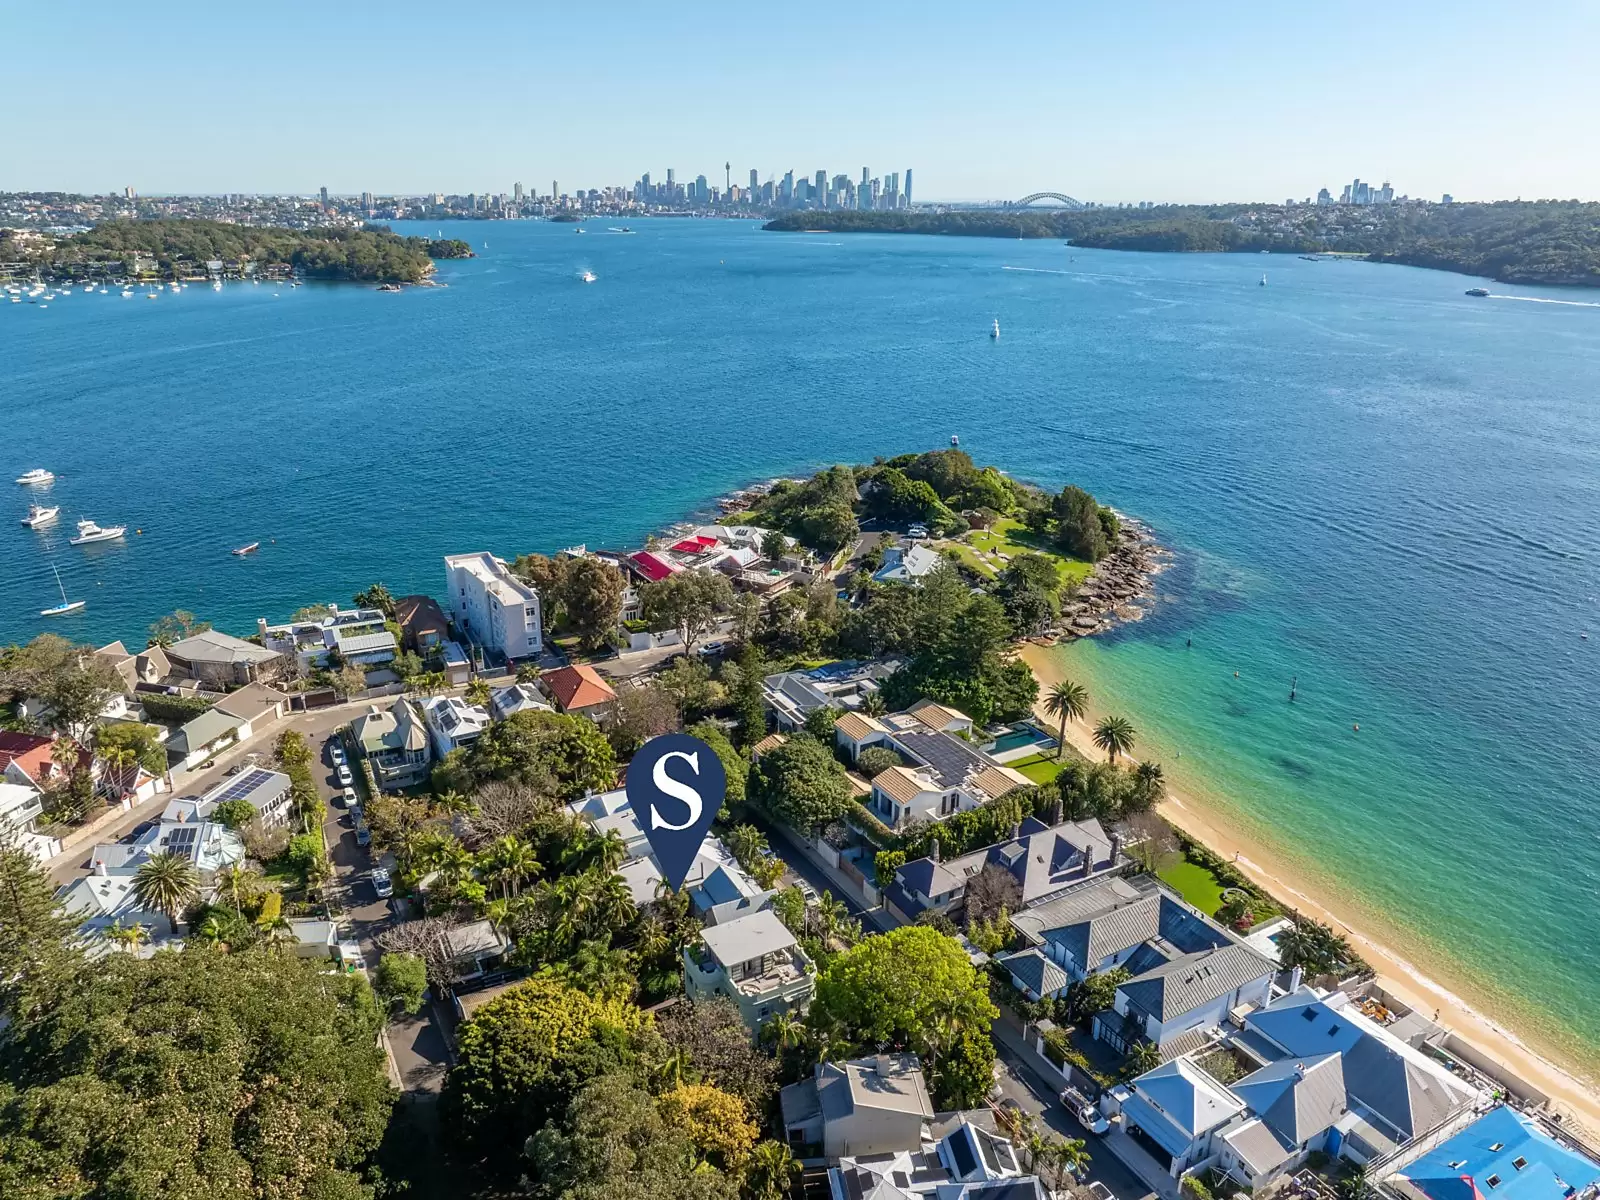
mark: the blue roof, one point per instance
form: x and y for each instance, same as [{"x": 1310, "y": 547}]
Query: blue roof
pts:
[{"x": 1480, "y": 1163}]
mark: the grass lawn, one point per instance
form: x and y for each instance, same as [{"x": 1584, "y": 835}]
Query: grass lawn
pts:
[
  {"x": 1010, "y": 537},
  {"x": 1037, "y": 767},
  {"x": 1195, "y": 884}
]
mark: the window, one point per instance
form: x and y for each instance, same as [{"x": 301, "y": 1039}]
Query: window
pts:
[
  {"x": 1497, "y": 1147},
  {"x": 1458, "y": 1164},
  {"x": 1493, "y": 1181},
  {"x": 1519, "y": 1162},
  {"x": 1332, "y": 1029},
  {"x": 1309, "y": 1014}
]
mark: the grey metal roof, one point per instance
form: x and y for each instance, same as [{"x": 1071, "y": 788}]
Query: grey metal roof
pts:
[
  {"x": 1187, "y": 1096},
  {"x": 1186, "y": 983},
  {"x": 1092, "y": 902},
  {"x": 213, "y": 646},
  {"x": 800, "y": 1102},
  {"x": 747, "y": 938},
  {"x": 1035, "y": 971},
  {"x": 1297, "y": 1098},
  {"x": 1258, "y": 1146},
  {"x": 203, "y": 730},
  {"x": 896, "y": 1086}
]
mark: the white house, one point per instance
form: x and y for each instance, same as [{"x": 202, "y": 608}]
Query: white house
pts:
[
  {"x": 359, "y": 634},
  {"x": 864, "y": 1106},
  {"x": 967, "y": 1163},
  {"x": 453, "y": 723},
  {"x": 492, "y": 607},
  {"x": 906, "y": 564},
  {"x": 233, "y": 719}
]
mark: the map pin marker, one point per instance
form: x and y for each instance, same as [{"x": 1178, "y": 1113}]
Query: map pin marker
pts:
[{"x": 675, "y": 787}]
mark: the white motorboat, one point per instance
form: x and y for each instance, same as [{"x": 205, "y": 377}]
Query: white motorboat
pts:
[
  {"x": 217, "y": 286},
  {"x": 37, "y": 475},
  {"x": 38, "y": 515},
  {"x": 127, "y": 293},
  {"x": 588, "y": 277},
  {"x": 244, "y": 550},
  {"x": 66, "y": 606},
  {"x": 995, "y": 332},
  {"x": 89, "y": 532}
]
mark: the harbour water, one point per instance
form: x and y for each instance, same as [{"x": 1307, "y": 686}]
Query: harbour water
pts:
[{"x": 1373, "y": 484}]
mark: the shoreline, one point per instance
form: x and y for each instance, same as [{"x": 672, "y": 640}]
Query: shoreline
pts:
[{"x": 1570, "y": 1095}]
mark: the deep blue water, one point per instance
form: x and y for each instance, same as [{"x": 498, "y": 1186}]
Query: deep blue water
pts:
[{"x": 1374, "y": 483}]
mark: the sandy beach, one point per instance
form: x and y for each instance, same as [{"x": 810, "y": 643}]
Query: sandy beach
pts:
[{"x": 1575, "y": 1100}]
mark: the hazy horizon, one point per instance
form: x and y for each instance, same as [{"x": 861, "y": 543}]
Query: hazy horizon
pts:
[{"x": 1163, "y": 103}]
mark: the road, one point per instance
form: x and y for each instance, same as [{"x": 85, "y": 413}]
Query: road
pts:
[{"x": 1021, "y": 1083}]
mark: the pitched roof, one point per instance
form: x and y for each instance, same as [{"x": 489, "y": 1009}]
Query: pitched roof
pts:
[
  {"x": 419, "y": 614},
  {"x": 251, "y": 702},
  {"x": 214, "y": 646},
  {"x": 771, "y": 742},
  {"x": 1104, "y": 917},
  {"x": 936, "y": 715},
  {"x": 1260, "y": 1148},
  {"x": 1190, "y": 980},
  {"x": 578, "y": 686},
  {"x": 904, "y": 784},
  {"x": 203, "y": 730},
  {"x": 1187, "y": 1096},
  {"x": 1297, "y": 1098},
  {"x": 1037, "y": 973},
  {"x": 889, "y": 1082},
  {"x": 856, "y": 727},
  {"x": 995, "y": 782},
  {"x": 1492, "y": 1147},
  {"x": 399, "y": 727},
  {"x": 30, "y": 751}
]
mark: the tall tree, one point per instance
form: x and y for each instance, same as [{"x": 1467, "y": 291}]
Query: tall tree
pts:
[
  {"x": 74, "y": 682},
  {"x": 800, "y": 783},
  {"x": 591, "y": 593},
  {"x": 168, "y": 883},
  {"x": 1114, "y": 735},
  {"x": 688, "y": 601},
  {"x": 1068, "y": 701},
  {"x": 175, "y": 627},
  {"x": 377, "y": 596}
]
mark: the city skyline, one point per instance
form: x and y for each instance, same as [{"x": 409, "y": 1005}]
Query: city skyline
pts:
[{"x": 1241, "y": 103}]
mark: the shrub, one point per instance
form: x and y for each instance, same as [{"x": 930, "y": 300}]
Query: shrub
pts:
[
  {"x": 175, "y": 710},
  {"x": 875, "y": 760}
]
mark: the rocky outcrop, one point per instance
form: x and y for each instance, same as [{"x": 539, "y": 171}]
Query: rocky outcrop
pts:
[{"x": 1120, "y": 587}]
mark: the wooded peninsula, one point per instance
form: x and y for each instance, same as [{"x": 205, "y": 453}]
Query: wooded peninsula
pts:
[
  {"x": 1540, "y": 241},
  {"x": 369, "y": 254}
]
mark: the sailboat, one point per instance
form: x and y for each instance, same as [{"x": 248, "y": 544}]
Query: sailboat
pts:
[
  {"x": 66, "y": 606},
  {"x": 995, "y": 332}
]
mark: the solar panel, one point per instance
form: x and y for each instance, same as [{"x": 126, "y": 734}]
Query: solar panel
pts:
[
  {"x": 961, "y": 1151},
  {"x": 243, "y": 784},
  {"x": 182, "y": 839}
]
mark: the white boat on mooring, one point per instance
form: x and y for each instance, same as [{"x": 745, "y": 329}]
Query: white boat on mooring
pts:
[
  {"x": 66, "y": 606},
  {"x": 244, "y": 550},
  {"x": 39, "y": 515},
  {"x": 37, "y": 475},
  {"x": 89, "y": 532}
]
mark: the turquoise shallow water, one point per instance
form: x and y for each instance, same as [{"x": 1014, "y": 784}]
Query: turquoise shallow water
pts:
[{"x": 1373, "y": 483}]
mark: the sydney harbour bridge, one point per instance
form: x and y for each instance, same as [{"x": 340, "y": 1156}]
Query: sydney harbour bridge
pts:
[{"x": 1061, "y": 200}]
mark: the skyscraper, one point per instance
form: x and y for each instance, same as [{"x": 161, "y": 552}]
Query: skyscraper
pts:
[
  {"x": 786, "y": 189},
  {"x": 555, "y": 190},
  {"x": 670, "y": 178},
  {"x": 821, "y": 196},
  {"x": 127, "y": 192},
  {"x": 727, "y": 177},
  {"x": 324, "y": 199},
  {"x": 702, "y": 192},
  {"x": 516, "y": 190},
  {"x": 755, "y": 181},
  {"x": 908, "y": 187}
]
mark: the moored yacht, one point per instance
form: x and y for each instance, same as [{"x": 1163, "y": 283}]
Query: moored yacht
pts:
[
  {"x": 88, "y": 532},
  {"x": 37, "y": 475},
  {"x": 39, "y": 515}
]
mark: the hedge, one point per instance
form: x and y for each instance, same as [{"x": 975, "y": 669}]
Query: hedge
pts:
[{"x": 175, "y": 709}]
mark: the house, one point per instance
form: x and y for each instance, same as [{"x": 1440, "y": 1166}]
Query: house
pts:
[
  {"x": 906, "y": 564},
  {"x": 149, "y": 666},
  {"x": 453, "y": 723},
  {"x": 21, "y": 806},
  {"x": 223, "y": 661},
  {"x": 492, "y": 607},
  {"x": 360, "y": 636},
  {"x": 795, "y": 695},
  {"x": 967, "y": 1163},
  {"x": 1045, "y": 860},
  {"x": 940, "y": 773},
  {"x": 1503, "y": 1153},
  {"x": 865, "y": 1106},
  {"x": 233, "y": 719},
  {"x": 1194, "y": 991},
  {"x": 395, "y": 742},
  {"x": 631, "y": 608},
  {"x": 312, "y": 937},
  {"x": 715, "y": 882},
  {"x": 30, "y": 759},
  {"x": 422, "y": 622},
  {"x": 475, "y": 949},
  {"x": 515, "y": 698},
  {"x": 756, "y": 962},
  {"x": 580, "y": 690},
  {"x": 268, "y": 792},
  {"x": 455, "y": 664},
  {"x": 1174, "y": 1112},
  {"x": 104, "y": 900}
]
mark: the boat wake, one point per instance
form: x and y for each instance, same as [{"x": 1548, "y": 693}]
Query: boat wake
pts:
[{"x": 1546, "y": 300}]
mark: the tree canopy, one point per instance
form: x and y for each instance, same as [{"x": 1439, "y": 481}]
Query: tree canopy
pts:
[
  {"x": 800, "y": 783},
  {"x": 566, "y": 753}
]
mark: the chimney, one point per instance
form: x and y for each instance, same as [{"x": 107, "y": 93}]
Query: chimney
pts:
[
  {"x": 1057, "y": 810},
  {"x": 1295, "y": 977},
  {"x": 933, "y": 849},
  {"x": 1016, "y": 830},
  {"x": 1116, "y": 848},
  {"x": 880, "y": 1066},
  {"x": 261, "y": 627},
  {"x": 100, "y": 868}
]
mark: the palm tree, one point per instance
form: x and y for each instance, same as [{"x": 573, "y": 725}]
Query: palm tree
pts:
[
  {"x": 613, "y": 902},
  {"x": 452, "y": 802},
  {"x": 477, "y": 692},
  {"x": 654, "y": 939},
  {"x": 1152, "y": 784},
  {"x": 167, "y": 883},
  {"x": 770, "y": 1172},
  {"x": 1067, "y": 701},
  {"x": 238, "y": 878},
  {"x": 509, "y": 861},
  {"x": 1144, "y": 1056},
  {"x": 121, "y": 765},
  {"x": 782, "y": 1032},
  {"x": 1114, "y": 735},
  {"x": 609, "y": 851},
  {"x": 127, "y": 937},
  {"x": 210, "y": 932},
  {"x": 498, "y": 914}
]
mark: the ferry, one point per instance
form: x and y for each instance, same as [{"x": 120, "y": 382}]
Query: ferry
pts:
[
  {"x": 37, "y": 475},
  {"x": 39, "y": 516},
  {"x": 89, "y": 532},
  {"x": 1477, "y": 291}
]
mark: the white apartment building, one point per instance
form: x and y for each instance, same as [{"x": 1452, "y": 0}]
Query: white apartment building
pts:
[{"x": 492, "y": 607}]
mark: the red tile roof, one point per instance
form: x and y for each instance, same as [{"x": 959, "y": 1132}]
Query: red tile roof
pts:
[
  {"x": 577, "y": 687},
  {"x": 698, "y": 544},
  {"x": 32, "y": 754},
  {"x": 652, "y": 568}
]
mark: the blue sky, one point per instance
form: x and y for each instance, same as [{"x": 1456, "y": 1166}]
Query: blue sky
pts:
[{"x": 1107, "y": 102}]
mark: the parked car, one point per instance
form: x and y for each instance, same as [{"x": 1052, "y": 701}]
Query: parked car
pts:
[
  {"x": 1100, "y": 1191},
  {"x": 336, "y": 752},
  {"x": 917, "y": 531},
  {"x": 806, "y": 890},
  {"x": 1080, "y": 1106},
  {"x": 349, "y": 799},
  {"x": 381, "y": 883},
  {"x": 363, "y": 834},
  {"x": 712, "y": 649},
  {"x": 345, "y": 778}
]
